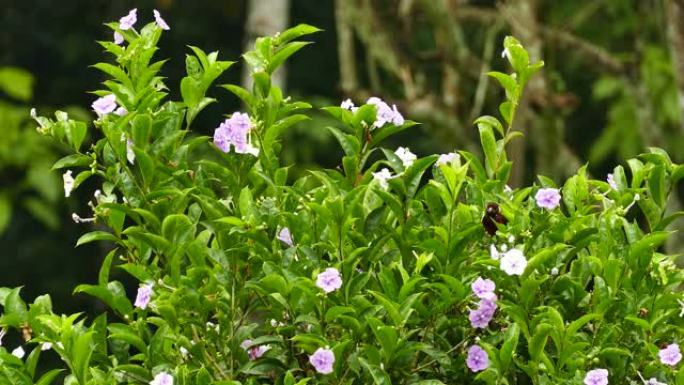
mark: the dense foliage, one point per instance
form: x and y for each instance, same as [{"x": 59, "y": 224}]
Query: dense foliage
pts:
[{"x": 388, "y": 269}]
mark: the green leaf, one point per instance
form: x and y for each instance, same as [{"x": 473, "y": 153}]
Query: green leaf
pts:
[
  {"x": 295, "y": 32},
  {"x": 96, "y": 236},
  {"x": 283, "y": 53},
  {"x": 49, "y": 377},
  {"x": 509, "y": 346},
  {"x": 538, "y": 341},
  {"x": 489, "y": 147},
  {"x": 17, "y": 83}
]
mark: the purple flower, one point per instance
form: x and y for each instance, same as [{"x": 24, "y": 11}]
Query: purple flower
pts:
[
  {"x": 611, "y": 181},
  {"x": 480, "y": 317},
  {"x": 670, "y": 355},
  {"x": 144, "y": 296},
  {"x": 121, "y": 111},
  {"x": 105, "y": 105},
  {"x": 513, "y": 262},
  {"x": 449, "y": 158},
  {"x": 254, "y": 352},
  {"x": 478, "y": 359},
  {"x": 323, "y": 360},
  {"x": 349, "y": 105},
  {"x": 484, "y": 288},
  {"x": 384, "y": 113},
  {"x": 329, "y": 280},
  {"x": 160, "y": 22},
  {"x": 162, "y": 378},
  {"x": 406, "y": 156},
  {"x": 548, "y": 198},
  {"x": 128, "y": 21},
  {"x": 234, "y": 132},
  {"x": 118, "y": 38},
  {"x": 596, "y": 377},
  {"x": 285, "y": 236}
]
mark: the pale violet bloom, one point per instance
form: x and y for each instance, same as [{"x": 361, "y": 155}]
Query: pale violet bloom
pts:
[
  {"x": 121, "y": 111},
  {"x": 406, "y": 156},
  {"x": 162, "y": 378},
  {"x": 285, "y": 236},
  {"x": 382, "y": 177},
  {"x": 349, "y": 105},
  {"x": 478, "y": 359},
  {"x": 45, "y": 346},
  {"x": 128, "y": 21},
  {"x": 384, "y": 113},
  {"x": 513, "y": 262},
  {"x": 130, "y": 154},
  {"x": 323, "y": 360},
  {"x": 670, "y": 355},
  {"x": 481, "y": 316},
  {"x": 256, "y": 351},
  {"x": 548, "y": 198},
  {"x": 160, "y": 22},
  {"x": 611, "y": 181},
  {"x": 596, "y": 377},
  {"x": 105, "y": 105},
  {"x": 19, "y": 352},
  {"x": 118, "y": 38},
  {"x": 329, "y": 280},
  {"x": 234, "y": 133},
  {"x": 484, "y": 288},
  {"x": 143, "y": 297},
  {"x": 68, "y": 183},
  {"x": 450, "y": 158}
]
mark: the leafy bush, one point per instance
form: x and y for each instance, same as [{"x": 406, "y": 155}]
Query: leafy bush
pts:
[{"x": 389, "y": 269}]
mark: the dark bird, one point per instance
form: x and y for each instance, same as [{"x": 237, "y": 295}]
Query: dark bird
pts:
[{"x": 491, "y": 217}]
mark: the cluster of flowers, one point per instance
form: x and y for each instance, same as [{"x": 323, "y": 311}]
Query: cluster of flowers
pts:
[
  {"x": 384, "y": 113},
  {"x": 234, "y": 132},
  {"x": 127, "y": 22},
  {"x": 407, "y": 158}
]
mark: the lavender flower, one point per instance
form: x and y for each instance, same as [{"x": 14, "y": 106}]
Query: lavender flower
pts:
[
  {"x": 128, "y": 21},
  {"x": 670, "y": 355},
  {"x": 162, "y": 378},
  {"x": 68, "y": 183},
  {"x": 349, "y": 105},
  {"x": 105, "y": 105},
  {"x": 484, "y": 288},
  {"x": 596, "y": 377},
  {"x": 285, "y": 236},
  {"x": 329, "y": 280},
  {"x": 234, "y": 132},
  {"x": 478, "y": 359},
  {"x": 445, "y": 159},
  {"x": 548, "y": 198},
  {"x": 513, "y": 262},
  {"x": 323, "y": 360},
  {"x": 406, "y": 156},
  {"x": 121, "y": 111},
  {"x": 382, "y": 177},
  {"x": 384, "y": 113},
  {"x": 480, "y": 317},
  {"x": 144, "y": 296},
  {"x": 118, "y": 38},
  {"x": 611, "y": 181},
  {"x": 160, "y": 22},
  {"x": 254, "y": 352}
]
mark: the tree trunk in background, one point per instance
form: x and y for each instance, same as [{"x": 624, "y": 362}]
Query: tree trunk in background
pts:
[
  {"x": 522, "y": 17},
  {"x": 265, "y": 17},
  {"x": 674, "y": 12},
  {"x": 345, "y": 47}
]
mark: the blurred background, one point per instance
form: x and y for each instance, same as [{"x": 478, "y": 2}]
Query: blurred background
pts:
[{"x": 613, "y": 85}]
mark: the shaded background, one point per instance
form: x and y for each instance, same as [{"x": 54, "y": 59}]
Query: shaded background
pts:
[{"x": 613, "y": 85}]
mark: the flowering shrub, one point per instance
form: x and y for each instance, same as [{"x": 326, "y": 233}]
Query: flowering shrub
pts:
[{"x": 391, "y": 268}]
